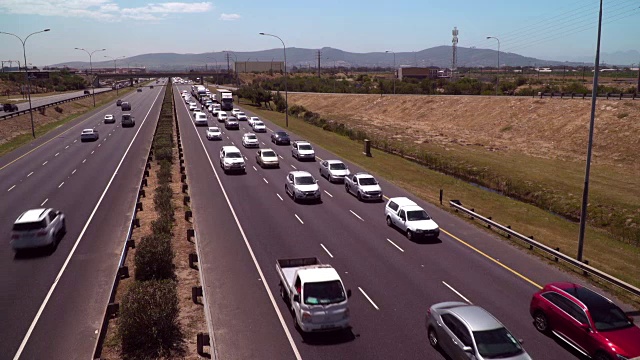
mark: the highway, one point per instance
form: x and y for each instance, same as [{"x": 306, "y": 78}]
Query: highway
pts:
[
  {"x": 53, "y": 302},
  {"x": 245, "y": 222},
  {"x": 44, "y": 100}
]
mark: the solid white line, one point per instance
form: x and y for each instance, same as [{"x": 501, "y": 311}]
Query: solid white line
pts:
[
  {"x": 394, "y": 244},
  {"x": 83, "y": 161},
  {"x": 253, "y": 256},
  {"x": 326, "y": 192},
  {"x": 368, "y": 298},
  {"x": 356, "y": 215},
  {"x": 294, "y": 167},
  {"x": 325, "y": 249},
  {"x": 299, "y": 219},
  {"x": 59, "y": 186},
  {"x": 31, "y": 173},
  {"x": 265, "y": 180},
  {"x": 56, "y": 154},
  {"x": 457, "y": 293},
  {"x": 74, "y": 171},
  {"x": 279, "y": 197},
  {"x": 44, "y": 202},
  {"x": 11, "y": 188},
  {"x": 75, "y": 246},
  {"x": 45, "y": 163}
]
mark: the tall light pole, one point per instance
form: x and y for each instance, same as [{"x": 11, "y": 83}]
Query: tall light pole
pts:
[
  {"x": 498, "y": 73},
  {"x": 93, "y": 89},
  {"x": 235, "y": 63},
  {"x": 26, "y": 73},
  {"x": 286, "y": 93},
  {"x": 594, "y": 97},
  {"x": 115, "y": 69},
  {"x": 394, "y": 70}
]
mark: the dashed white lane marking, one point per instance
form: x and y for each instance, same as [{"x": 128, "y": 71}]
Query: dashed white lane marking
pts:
[
  {"x": 98, "y": 146},
  {"x": 457, "y": 293},
  {"x": 31, "y": 173},
  {"x": 232, "y": 143},
  {"x": 279, "y": 197},
  {"x": 263, "y": 143},
  {"x": 265, "y": 180},
  {"x": 44, "y": 202},
  {"x": 326, "y": 192},
  {"x": 75, "y": 141},
  {"x": 11, "y": 188},
  {"x": 83, "y": 161},
  {"x": 66, "y": 147},
  {"x": 356, "y": 215},
  {"x": 109, "y": 134},
  {"x": 59, "y": 186},
  {"x": 246, "y": 158},
  {"x": 296, "y": 215},
  {"x": 280, "y": 156},
  {"x": 294, "y": 167},
  {"x": 45, "y": 163},
  {"x": 93, "y": 151},
  {"x": 325, "y": 249},
  {"x": 74, "y": 171},
  {"x": 368, "y": 298},
  {"x": 254, "y": 168},
  {"x": 394, "y": 244},
  {"x": 56, "y": 154}
]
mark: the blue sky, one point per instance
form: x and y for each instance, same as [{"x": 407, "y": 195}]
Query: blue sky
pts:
[{"x": 544, "y": 29}]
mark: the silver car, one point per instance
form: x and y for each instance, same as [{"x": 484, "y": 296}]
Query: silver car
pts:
[
  {"x": 334, "y": 170},
  {"x": 466, "y": 331},
  {"x": 37, "y": 228}
]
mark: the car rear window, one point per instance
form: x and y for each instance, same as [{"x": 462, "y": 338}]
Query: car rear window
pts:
[
  {"x": 30, "y": 226},
  {"x": 305, "y": 147},
  {"x": 339, "y": 166},
  {"x": 268, "y": 154}
]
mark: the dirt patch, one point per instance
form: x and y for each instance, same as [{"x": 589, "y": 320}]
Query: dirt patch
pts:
[{"x": 546, "y": 128}]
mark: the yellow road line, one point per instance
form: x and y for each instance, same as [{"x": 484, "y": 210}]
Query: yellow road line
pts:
[{"x": 492, "y": 259}]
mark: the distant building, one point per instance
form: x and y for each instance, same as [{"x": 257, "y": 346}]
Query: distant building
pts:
[
  {"x": 259, "y": 66},
  {"x": 417, "y": 73}
]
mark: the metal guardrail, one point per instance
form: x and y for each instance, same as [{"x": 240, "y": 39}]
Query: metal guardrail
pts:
[
  {"x": 608, "y": 96},
  {"x": 34, "y": 108},
  {"x": 532, "y": 243}
]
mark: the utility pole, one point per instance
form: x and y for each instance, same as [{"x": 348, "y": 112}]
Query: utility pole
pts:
[
  {"x": 454, "y": 60},
  {"x": 228, "y": 65},
  {"x": 639, "y": 77},
  {"x": 319, "y": 54}
]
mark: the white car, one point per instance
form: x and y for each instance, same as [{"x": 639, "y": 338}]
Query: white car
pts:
[
  {"x": 302, "y": 150},
  {"x": 213, "y": 133},
  {"x": 267, "y": 158},
  {"x": 410, "y": 218},
  {"x": 193, "y": 106},
  {"x": 235, "y": 112},
  {"x": 334, "y": 170},
  {"x": 89, "y": 135},
  {"x": 364, "y": 186},
  {"x": 252, "y": 120},
  {"x": 241, "y": 116},
  {"x": 36, "y": 228},
  {"x": 250, "y": 140},
  {"x": 259, "y": 126},
  {"x": 109, "y": 119},
  {"x": 301, "y": 185},
  {"x": 200, "y": 118},
  {"x": 231, "y": 159},
  {"x": 222, "y": 116},
  {"x": 215, "y": 109}
]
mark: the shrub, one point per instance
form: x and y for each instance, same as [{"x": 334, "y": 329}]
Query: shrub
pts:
[
  {"x": 149, "y": 325},
  {"x": 58, "y": 109},
  {"x": 164, "y": 154},
  {"x": 163, "y": 202},
  {"x": 154, "y": 258},
  {"x": 162, "y": 225},
  {"x": 164, "y": 172}
]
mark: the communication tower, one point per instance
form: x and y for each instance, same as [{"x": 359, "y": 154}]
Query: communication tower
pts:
[{"x": 454, "y": 42}]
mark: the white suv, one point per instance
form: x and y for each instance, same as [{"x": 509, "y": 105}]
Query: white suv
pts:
[
  {"x": 222, "y": 116},
  {"x": 410, "y": 218},
  {"x": 200, "y": 118},
  {"x": 302, "y": 150},
  {"x": 250, "y": 140},
  {"x": 231, "y": 159},
  {"x": 36, "y": 228},
  {"x": 301, "y": 185}
]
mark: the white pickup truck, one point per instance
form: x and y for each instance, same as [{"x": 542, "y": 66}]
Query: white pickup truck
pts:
[{"x": 315, "y": 294}]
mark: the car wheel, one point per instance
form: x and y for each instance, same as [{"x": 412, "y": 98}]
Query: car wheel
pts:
[
  {"x": 330, "y": 178},
  {"x": 541, "y": 322},
  {"x": 389, "y": 223},
  {"x": 409, "y": 235},
  {"x": 359, "y": 196},
  {"x": 433, "y": 338},
  {"x": 346, "y": 188},
  {"x": 601, "y": 356},
  {"x": 64, "y": 227}
]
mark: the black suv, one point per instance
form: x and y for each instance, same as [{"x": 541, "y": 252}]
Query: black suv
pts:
[
  {"x": 10, "y": 107},
  {"x": 280, "y": 137},
  {"x": 119, "y": 102}
]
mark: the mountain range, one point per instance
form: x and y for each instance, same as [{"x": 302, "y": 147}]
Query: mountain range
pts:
[{"x": 439, "y": 56}]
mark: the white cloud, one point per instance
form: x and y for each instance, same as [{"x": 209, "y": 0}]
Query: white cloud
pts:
[
  {"x": 103, "y": 10},
  {"x": 229, "y": 17}
]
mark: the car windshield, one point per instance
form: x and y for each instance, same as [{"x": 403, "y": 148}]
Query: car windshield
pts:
[
  {"x": 268, "y": 154},
  {"x": 417, "y": 215},
  {"x": 234, "y": 155},
  {"x": 241, "y": 114},
  {"x": 497, "y": 343},
  {"x": 214, "y": 129},
  {"x": 338, "y": 166},
  {"x": 30, "y": 226},
  {"x": 368, "y": 181},
  {"x": 609, "y": 317},
  {"x": 305, "y": 180},
  {"x": 304, "y": 147},
  {"x": 87, "y": 131},
  {"x": 258, "y": 123},
  {"x": 321, "y": 293},
  {"x": 282, "y": 134},
  {"x": 251, "y": 137}
]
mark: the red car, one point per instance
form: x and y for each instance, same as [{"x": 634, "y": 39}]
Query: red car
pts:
[{"x": 587, "y": 321}]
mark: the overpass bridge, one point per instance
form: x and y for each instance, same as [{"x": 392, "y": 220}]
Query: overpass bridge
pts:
[{"x": 158, "y": 74}]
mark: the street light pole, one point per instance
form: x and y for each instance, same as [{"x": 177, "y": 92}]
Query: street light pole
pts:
[
  {"x": 115, "y": 70},
  {"x": 26, "y": 73},
  {"x": 286, "y": 93},
  {"x": 93, "y": 89},
  {"x": 498, "y": 73},
  {"x": 394, "y": 70}
]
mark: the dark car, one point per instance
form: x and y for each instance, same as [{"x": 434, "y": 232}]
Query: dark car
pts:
[
  {"x": 139, "y": 90},
  {"x": 119, "y": 102},
  {"x": 280, "y": 137},
  {"x": 150, "y": 86},
  {"x": 10, "y": 107},
  {"x": 232, "y": 123},
  {"x": 586, "y": 320},
  {"x": 126, "y": 106},
  {"x": 87, "y": 92}
]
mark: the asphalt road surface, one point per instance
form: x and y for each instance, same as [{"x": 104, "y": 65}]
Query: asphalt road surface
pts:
[
  {"x": 53, "y": 303},
  {"x": 245, "y": 222}
]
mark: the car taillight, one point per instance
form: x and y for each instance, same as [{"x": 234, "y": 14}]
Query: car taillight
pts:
[{"x": 41, "y": 233}]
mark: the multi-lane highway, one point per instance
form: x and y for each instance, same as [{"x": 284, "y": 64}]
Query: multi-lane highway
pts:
[
  {"x": 53, "y": 302},
  {"x": 245, "y": 222},
  {"x": 44, "y": 100}
]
